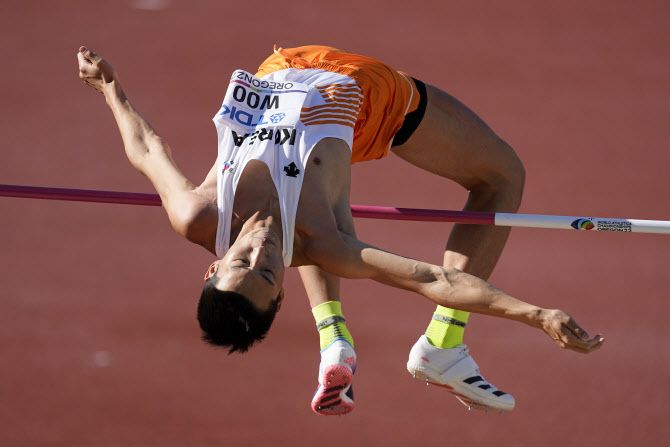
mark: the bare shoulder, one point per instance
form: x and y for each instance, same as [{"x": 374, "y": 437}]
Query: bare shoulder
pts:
[
  {"x": 194, "y": 213},
  {"x": 329, "y": 164},
  {"x": 195, "y": 217}
]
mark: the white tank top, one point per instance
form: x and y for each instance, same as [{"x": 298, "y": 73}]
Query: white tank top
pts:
[{"x": 278, "y": 120}]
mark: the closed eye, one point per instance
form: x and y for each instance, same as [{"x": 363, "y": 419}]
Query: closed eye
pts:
[{"x": 267, "y": 275}]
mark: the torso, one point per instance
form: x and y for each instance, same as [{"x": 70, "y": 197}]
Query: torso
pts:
[
  {"x": 325, "y": 191},
  {"x": 310, "y": 169},
  {"x": 323, "y": 210}
]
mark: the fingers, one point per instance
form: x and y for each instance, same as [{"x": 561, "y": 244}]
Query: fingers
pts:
[
  {"x": 565, "y": 331},
  {"x": 582, "y": 343},
  {"x": 83, "y": 63},
  {"x": 86, "y": 69},
  {"x": 93, "y": 69},
  {"x": 574, "y": 327},
  {"x": 89, "y": 55},
  {"x": 88, "y": 62},
  {"x": 568, "y": 340}
]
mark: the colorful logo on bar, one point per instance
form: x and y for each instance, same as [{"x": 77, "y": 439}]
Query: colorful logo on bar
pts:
[{"x": 583, "y": 224}]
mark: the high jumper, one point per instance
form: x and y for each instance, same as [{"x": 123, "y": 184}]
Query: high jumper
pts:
[{"x": 278, "y": 196}]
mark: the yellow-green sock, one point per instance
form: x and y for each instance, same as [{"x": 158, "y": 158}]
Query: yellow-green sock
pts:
[
  {"x": 331, "y": 325},
  {"x": 446, "y": 328}
]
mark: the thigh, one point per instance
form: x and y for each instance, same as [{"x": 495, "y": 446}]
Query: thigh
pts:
[{"x": 453, "y": 142}]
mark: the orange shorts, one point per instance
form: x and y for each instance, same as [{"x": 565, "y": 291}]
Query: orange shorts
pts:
[{"x": 389, "y": 95}]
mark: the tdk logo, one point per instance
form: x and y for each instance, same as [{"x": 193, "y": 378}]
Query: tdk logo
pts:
[{"x": 248, "y": 119}]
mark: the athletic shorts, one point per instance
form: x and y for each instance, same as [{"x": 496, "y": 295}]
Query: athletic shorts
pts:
[{"x": 393, "y": 102}]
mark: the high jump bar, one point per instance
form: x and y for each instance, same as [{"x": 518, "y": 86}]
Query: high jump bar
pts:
[{"x": 372, "y": 212}]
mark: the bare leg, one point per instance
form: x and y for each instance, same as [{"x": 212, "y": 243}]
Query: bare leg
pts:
[
  {"x": 454, "y": 143},
  {"x": 319, "y": 285},
  {"x": 338, "y": 358}
]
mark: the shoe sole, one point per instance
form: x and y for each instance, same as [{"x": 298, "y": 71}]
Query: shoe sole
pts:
[
  {"x": 330, "y": 398},
  {"x": 472, "y": 404}
]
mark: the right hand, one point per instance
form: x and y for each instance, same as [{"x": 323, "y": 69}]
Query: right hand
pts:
[
  {"x": 567, "y": 333},
  {"x": 95, "y": 71}
]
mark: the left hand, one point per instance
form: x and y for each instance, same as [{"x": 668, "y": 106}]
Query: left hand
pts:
[{"x": 565, "y": 331}]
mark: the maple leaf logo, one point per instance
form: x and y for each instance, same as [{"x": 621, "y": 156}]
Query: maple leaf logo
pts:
[{"x": 291, "y": 170}]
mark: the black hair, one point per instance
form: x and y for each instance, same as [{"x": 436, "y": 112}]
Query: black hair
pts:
[{"x": 229, "y": 320}]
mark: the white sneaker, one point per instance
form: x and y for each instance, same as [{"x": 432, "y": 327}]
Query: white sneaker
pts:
[
  {"x": 455, "y": 370},
  {"x": 335, "y": 394}
]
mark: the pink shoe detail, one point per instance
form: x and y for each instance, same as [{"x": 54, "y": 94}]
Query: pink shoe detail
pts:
[{"x": 332, "y": 396}]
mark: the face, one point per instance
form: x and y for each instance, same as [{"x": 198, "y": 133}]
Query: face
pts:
[{"x": 253, "y": 267}]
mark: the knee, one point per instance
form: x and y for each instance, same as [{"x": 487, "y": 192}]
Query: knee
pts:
[
  {"x": 501, "y": 185},
  {"x": 514, "y": 180},
  {"x": 509, "y": 177}
]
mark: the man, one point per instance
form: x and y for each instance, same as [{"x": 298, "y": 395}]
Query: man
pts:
[{"x": 278, "y": 196}]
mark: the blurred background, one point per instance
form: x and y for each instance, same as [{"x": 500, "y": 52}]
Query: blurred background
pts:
[{"x": 99, "y": 344}]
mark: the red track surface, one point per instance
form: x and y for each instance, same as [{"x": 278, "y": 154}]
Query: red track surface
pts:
[{"x": 98, "y": 340}]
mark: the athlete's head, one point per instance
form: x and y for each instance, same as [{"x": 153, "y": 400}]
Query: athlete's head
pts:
[{"x": 243, "y": 292}]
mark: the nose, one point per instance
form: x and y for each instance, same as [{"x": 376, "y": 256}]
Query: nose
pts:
[{"x": 258, "y": 255}]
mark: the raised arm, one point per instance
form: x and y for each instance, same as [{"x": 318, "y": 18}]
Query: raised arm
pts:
[
  {"x": 191, "y": 212},
  {"x": 449, "y": 287}
]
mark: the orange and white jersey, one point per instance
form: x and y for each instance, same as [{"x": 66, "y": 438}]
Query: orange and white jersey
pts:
[
  {"x": 332, "y": 105},
  {"x": 342, "y": 102},
  {"x": 278, "y": 120},
  {"x": 383, "y": 95},
  {"x": 297, "y": 98}
]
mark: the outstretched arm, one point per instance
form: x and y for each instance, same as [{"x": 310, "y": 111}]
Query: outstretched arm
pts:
[
  {"x": 186, "y": 207},
  {"x": 448, "y": 287}
]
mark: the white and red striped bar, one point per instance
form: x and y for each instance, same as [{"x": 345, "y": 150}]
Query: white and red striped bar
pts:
[
  {"x": 514, "y": 220},
  {"x": 373, "y": 212},
  {"x": 583, "y": 223}
]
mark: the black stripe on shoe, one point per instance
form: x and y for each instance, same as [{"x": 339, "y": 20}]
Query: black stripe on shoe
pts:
[
  {"x": 499, "y": 393},
  {"x": 473, "y": 379},
  {"x": 334, "y": 388},
  {"x": 485, "y": 387},
  {"x": 329, "y": 398},
  {"x": 334, "y": 404}
]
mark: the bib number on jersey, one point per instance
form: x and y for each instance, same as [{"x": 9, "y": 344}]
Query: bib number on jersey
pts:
[{"x": 251, "y": 102}]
